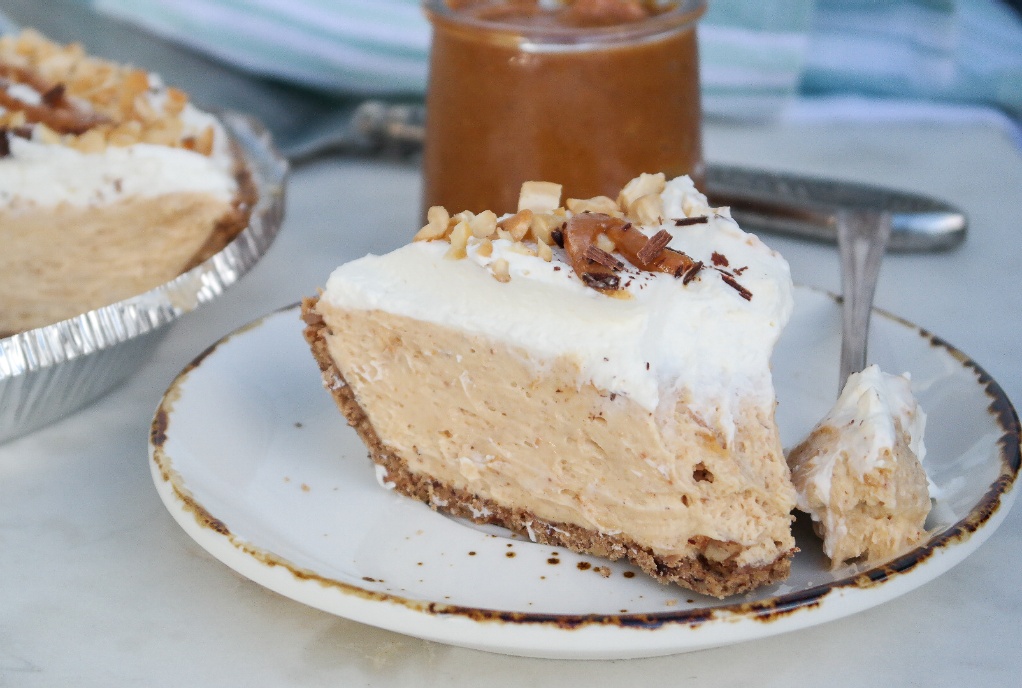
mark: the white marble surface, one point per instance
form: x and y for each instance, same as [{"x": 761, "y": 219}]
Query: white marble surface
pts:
[{"x": 99, "y": 587}]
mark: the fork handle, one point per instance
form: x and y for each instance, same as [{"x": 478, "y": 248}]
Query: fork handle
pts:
[{"x": 862, "y": 238}]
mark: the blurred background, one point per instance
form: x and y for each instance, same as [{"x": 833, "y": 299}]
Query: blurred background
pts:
[{"x": 310, "y": 60}]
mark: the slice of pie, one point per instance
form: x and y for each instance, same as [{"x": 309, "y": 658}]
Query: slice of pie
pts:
[
  {"x": 110, "y": 183},
  {"x": 859, "y": 473},
  {"x": 594, "y": 376}
]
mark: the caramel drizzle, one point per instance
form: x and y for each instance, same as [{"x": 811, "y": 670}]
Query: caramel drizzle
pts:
[{"x": 650, "y": 254}]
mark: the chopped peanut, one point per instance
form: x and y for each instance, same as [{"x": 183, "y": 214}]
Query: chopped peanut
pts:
[
  {"x": 91, "y": 103},
  {"x": 204, "y": 144},
  {"x": 144, "y": 109},
  {"x": 544, "y": 251},
  {"x": 176, "y": 101},
  {"x": 47, "y": 135},
  {"x": 597, "y": 204},
  {"x": 501, "y": 270},
  {"x": 640, "y": 186},
  {"x": 485, "y": 248},
  {"x": 91, "y": 141},
  {"x": 539, "y": 197},
  {"x": 17, "y": 119},
  {"x": 542, "y": 225},
  {"x": 604, "y": 243},
  {"x": 519, "y": 247},
  {"x": 426, "y": 234},
  {"x": 438, "y": 222},
  {"x": 518, "y": 224},
  {"x": 483, "y": 225},
  {"x": 648, "y": 209},
  {"x": 125, "y": 133},
  {"x": 691, "y": 207},
  {"x": 459, "y": 241}
]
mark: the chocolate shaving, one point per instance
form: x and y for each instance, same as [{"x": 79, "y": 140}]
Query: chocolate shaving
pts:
[
  {"x": 598, "y": 255},
  {"x": 719, "y": 259},
  {"x": 733, "y": 283},
  {"x": 600, "y": 280},
  {"x": 657, "y": 243},
  {"x": 690, "y": 274},
  {"x": 739, "y": 271},
  {"x": 54, "y": 96},
  {"x": 5, "y": 144},
  {"x": 685, "y": 221},
  {"x": 558, "y": 237}
]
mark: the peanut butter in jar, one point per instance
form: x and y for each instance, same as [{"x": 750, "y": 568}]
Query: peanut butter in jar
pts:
[{"x": 586, "y": 92}]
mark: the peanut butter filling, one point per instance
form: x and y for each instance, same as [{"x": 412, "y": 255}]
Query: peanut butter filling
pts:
[
  {"x": 495, "y": 422},
  {"x": 115, "y": 252}
]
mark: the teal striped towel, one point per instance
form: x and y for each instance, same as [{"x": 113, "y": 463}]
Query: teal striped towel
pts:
[{"x": 756, "y": 54}]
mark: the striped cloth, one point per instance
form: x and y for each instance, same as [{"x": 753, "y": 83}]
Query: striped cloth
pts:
[
  {"x": 364, "y": 47},
  {"x": 967, "y": 51},
  {"x": 756, "y": 54}
]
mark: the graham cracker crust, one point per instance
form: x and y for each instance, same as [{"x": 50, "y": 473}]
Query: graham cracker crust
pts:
[
  {"x": 716, "y": 578},
  {"x": 235, "y": 220}
]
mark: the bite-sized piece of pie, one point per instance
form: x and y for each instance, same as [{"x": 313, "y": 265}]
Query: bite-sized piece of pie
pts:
[
  {"x": 594, "y": 375},
  {"x": 859, "y": 472},
  {"x": 110, "y": 183}
]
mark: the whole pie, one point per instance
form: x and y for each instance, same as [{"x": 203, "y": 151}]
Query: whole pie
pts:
[{"x": 111, "y": 183}]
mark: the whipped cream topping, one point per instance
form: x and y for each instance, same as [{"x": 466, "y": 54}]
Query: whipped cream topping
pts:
[
  {"x": 48, "y": 174},
  {"x": 867, "y": 416},
  {"x": 659, "y": 336}
]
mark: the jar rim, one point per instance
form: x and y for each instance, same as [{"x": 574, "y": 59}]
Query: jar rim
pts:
[{"x": 682, "y": 14}]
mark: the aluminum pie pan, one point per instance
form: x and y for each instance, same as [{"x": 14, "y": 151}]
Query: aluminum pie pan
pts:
[{"x": 49, "y": 372}]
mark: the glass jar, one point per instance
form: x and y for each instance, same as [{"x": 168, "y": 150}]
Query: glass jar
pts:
[{"x": 516, "y": 93}]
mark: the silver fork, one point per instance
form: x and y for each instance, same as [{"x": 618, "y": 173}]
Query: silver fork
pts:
[{"x": 862, "y": 240}]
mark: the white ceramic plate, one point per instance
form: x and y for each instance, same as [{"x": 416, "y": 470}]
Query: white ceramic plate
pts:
[{"x": 253, "y": 460}]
